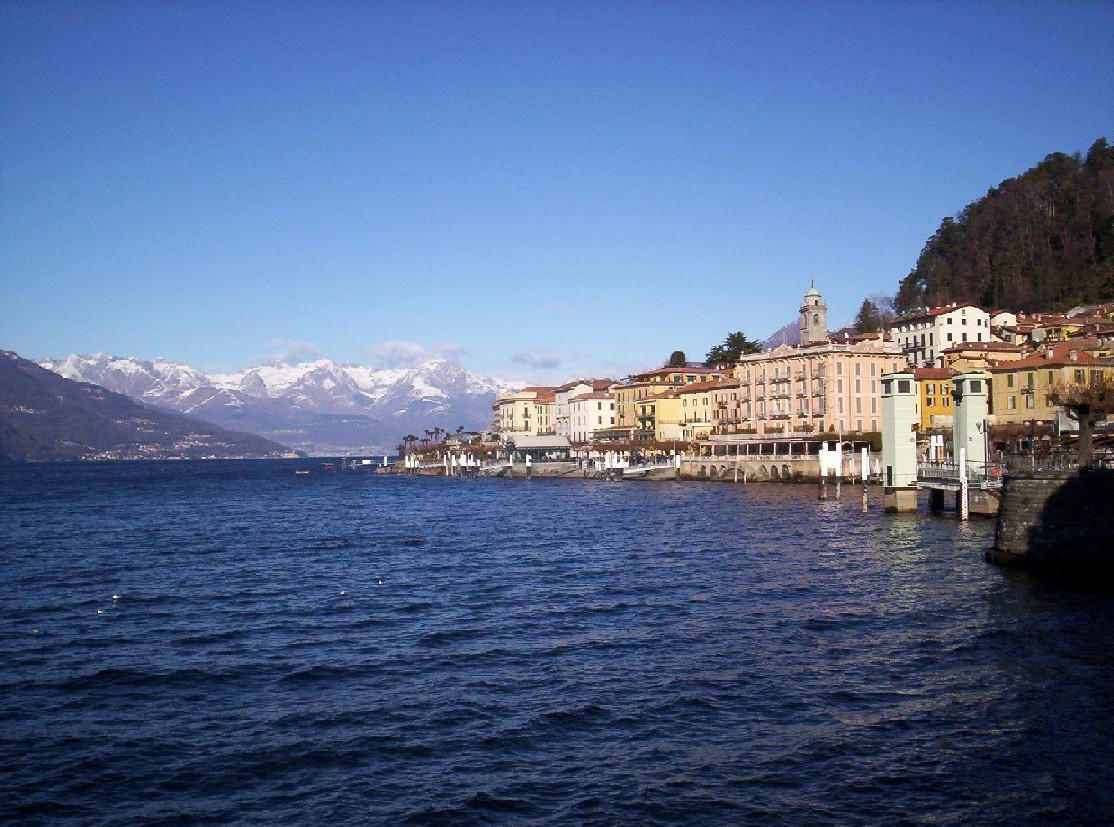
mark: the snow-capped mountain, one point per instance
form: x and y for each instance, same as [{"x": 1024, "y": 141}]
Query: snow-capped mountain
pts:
[{"x": 320, "y": 407}]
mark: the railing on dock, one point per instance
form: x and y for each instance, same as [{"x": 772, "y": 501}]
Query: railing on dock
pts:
[
  {"x": 985, "y": 474},
  {"x": 1057, "y": 460}
]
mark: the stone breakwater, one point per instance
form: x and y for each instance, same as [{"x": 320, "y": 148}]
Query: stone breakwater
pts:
[{"x": 1056, "y": 520}]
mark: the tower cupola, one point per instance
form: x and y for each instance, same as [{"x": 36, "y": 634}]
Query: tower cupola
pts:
[{"x": 814, "y": 317}]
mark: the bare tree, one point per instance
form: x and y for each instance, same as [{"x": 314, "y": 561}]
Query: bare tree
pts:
[{"x": 1088, "y": 403}]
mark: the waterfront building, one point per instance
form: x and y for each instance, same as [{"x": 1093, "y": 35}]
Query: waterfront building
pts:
[
  {"x": 689, "y": 412},
  {"x": 1019, "y": 389},
  {"x": 563, "y": 396},
  {"x": 526, "y": 412},
  {"x": 832, "y": 387},
  {"x": 924, "y": 336},
  {"x": 590, "y": 413},
  {"x": 638, "y": 423},
  {"x": 934, "y": 386}
]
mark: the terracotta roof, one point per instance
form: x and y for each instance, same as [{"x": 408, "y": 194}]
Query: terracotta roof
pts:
[
  {"x": 927, "y": 374},
  {"x": 682, "y": 370},
  {"x": 985, "y": 346},
  {"x": 1059, "y": 355},
  {"x": 936, "y": 311},
  {"x": 700, "y": 387}
]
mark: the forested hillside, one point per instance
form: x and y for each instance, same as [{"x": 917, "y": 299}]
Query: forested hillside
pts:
[{"x": 1041, "y": 241}]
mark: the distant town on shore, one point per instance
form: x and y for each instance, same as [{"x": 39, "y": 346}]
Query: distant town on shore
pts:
[
  {"x": 824, "y": 386},
  {"x": 1044, "y": 239}
]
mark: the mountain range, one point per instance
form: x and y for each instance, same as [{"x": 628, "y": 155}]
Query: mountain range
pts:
[
  {"x": 319, "y": 407},
  {"x": 45, "y": 417}
]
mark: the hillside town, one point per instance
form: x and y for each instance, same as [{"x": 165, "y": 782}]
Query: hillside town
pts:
[{"x": 827, "y": 386}]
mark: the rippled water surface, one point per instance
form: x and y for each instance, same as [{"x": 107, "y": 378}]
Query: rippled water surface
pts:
[{"x": 228, "y": 643}]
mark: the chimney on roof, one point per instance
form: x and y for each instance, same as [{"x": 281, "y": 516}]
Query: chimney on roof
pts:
[{"x": 1073, "y": 355}]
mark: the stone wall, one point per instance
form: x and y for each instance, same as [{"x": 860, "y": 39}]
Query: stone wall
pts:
[
  {"x": 766, "y": 468},
  {"x": 1059, "y": 520}
]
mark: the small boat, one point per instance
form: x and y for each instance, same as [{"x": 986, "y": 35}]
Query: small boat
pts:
[{"x": 301, "y": 472}]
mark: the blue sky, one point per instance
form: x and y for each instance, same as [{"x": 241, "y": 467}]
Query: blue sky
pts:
[{"x": 538, "y": 190}]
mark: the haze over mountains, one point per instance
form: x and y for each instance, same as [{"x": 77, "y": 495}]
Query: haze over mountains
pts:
[{"x": 319, "y": 407}]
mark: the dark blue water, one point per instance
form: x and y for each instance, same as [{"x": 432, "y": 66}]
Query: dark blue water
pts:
[{"x": 370, "y": 650}]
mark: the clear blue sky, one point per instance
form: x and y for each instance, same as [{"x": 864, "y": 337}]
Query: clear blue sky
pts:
[{"x": 540, "y": 190}]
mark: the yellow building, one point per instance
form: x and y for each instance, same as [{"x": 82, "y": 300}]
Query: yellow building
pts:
[
  {"x": 635, "y": 416},
  {"x": 935, "y": 387},
  {"x": 1019, "y": 389},
  {"x": 526, "y": 412}
]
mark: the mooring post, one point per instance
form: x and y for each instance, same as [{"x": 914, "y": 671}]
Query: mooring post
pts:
[
  {"x": 963, "y": 503},
  {"x": 866, "y": 468}
]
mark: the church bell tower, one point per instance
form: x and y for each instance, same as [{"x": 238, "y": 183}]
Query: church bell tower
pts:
[{"x": 814, "y": 317}]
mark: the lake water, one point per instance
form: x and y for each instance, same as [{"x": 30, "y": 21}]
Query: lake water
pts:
[{"x": 229, "y": 643}]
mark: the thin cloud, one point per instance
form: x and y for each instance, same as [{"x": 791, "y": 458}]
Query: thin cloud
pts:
[
  {"x": 292, "y": 352},
  {"x": 536, "y": 358},
  {"x": 399, "y": 353}
]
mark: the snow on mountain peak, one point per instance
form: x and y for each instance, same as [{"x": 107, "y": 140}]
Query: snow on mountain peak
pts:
[{"x": 281, "y": 400}]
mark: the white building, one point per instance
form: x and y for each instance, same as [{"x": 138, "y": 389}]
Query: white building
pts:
[
  {"x": 564, "y": 393},
  {"x": 588, "y": 413},
  {"x": 922, "y": 338}
]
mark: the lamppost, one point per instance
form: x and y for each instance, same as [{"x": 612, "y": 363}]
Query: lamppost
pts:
[{"x": 1029, "y": 396}]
